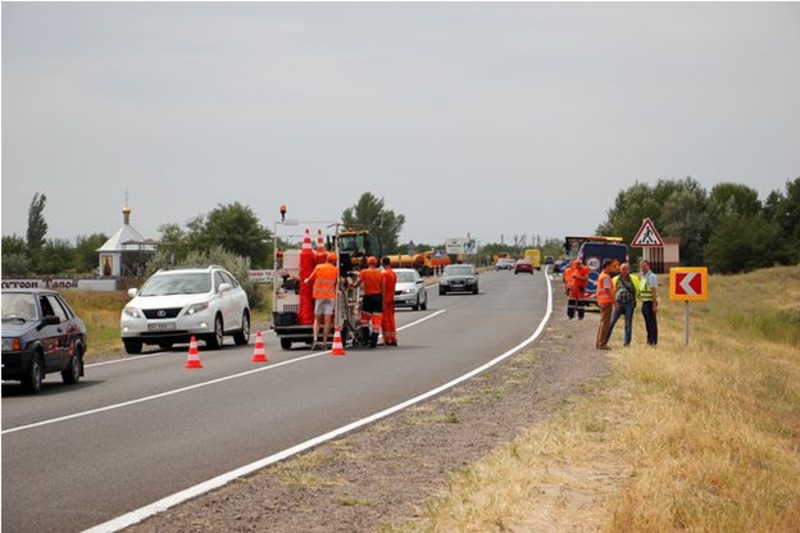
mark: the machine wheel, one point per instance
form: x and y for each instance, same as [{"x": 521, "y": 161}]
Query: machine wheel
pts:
[
  {"x": 74, "y": 370},
  {"x": 286, "y": 344},
  {"x": 415, "y": 307},
  {"x": 242, "y": 336},
  {"x": 475, "y": 290},
  {"x": 132, "y": 346},
  {"x": 215, "y": 341},
  {"x": 32, "y": 383},
  {"x": 424, "y": 305},
  {"x": 442, "y": 292}
]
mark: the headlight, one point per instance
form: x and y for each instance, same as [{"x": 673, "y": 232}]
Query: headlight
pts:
[
  {"x": 471, "y": 281},
  {"x": 132, "y": 312},
  {"x": 408, "y": 291},
  {"x": 196, "y": 308},
  {"x": 11, "y": 344}
]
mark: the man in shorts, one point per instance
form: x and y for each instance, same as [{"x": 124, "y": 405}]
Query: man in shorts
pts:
[
  {"x": 372, "y": 304},
  {"x": 325, "y": 277}
]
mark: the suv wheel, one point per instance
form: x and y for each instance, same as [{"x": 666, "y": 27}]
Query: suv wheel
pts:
[
  {"x": 215, "y": 340},
  {"x": 242, "y": 336},
  {"x": 415, "y": 307},
  {"x": 132, "y": 346},
  {"x": 32, "y": 383},
  {"x": 74, "y": 370}
]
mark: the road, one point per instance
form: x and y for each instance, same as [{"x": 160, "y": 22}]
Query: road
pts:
[{"x": 142, "y": 429}]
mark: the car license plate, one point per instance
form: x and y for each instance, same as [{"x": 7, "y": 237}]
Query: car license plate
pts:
[{"x": 161, "y": 326}]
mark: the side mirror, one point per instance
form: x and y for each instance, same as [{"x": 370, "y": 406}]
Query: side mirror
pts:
[
  {"x": 224, "y": 287},
  {"x": 133, "y": 292}
]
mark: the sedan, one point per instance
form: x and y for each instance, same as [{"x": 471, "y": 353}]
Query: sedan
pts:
[
  {"x": 523, "y": 265},
  {"x": 41, "y": 334},
  {"x": 458, "y": 278},
  {"x": 410, "y": 289}
]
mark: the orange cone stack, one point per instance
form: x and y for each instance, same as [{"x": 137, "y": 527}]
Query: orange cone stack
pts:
[
  {"x": 193, "y": 361},
  {"x": 259, "y": 355},
  {"x": 338, "y": 348}
]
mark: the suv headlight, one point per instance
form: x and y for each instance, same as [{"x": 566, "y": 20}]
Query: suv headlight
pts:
[
  {"x": 132, "y": 312},
  {"x": 196, "y": 308},
  {"x": 11, "y": 344}
]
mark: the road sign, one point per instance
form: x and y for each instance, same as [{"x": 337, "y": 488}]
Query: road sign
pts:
[
  {"x": 689, "y": 284},
  {"x": 647, "y": 236}
]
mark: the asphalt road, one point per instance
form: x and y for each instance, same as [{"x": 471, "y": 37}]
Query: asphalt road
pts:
[{"x": 136, "y": 431}]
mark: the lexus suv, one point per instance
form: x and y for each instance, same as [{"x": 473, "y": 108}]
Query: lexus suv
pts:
[{"x": 175, "y": 305}]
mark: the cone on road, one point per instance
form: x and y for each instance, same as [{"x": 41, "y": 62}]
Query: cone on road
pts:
[
  {"x": 338, "y": 348},
  {"x": 193, "y": 361},
  {"x": 259, "y": 355}
]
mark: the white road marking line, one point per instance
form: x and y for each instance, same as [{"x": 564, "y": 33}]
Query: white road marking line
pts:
[
  {"x": 138, "y": 515},
  {"x": 188, "y": 388}
]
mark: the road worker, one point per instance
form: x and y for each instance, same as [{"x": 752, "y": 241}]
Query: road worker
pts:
[
  {"x": 325, "y": 277},
  {"x": 388, "y": 326},
  {"x": 568, "y": 278},
  {"x": 606, "y": 302},
  {"x": 580, "y": 278},
  {"x": 372, "y": 303}
]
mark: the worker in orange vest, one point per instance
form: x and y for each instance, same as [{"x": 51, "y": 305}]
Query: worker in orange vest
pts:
[
  {"x": 389, "y": 283},
  {"x": 325, "y": 277},
  {"x": 372, "y": 303},
  {"x": 580, "y": 278},
  {"x": 568, "y": 278},
  {"x": 607, "y": 303}
]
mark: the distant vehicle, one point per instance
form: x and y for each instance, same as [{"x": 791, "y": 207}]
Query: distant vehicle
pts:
[
  {"x": 410, "y": 289},
  {"x": 504, "y": 264},
  {"x": 549, "y": 260},
  {"x": 458, "y": 278},
  {"x": 523, "y": 265},
  {"x": 41, "y": 334},
  {"x": 593, "y": 252},
  {"x": 175, "y": 305},
  {"x": 534, "y": 257}
]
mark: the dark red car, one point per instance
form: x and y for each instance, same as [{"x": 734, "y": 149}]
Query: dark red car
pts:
[{"x": 523, "y": 265}]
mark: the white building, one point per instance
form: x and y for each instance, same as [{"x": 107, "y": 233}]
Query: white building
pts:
[{"x": 126, "y": 252}]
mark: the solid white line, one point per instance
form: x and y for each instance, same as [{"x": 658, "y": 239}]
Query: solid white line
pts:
[
  {"x": 186, "y": 389},
  {"x": 147, "y": 511}
]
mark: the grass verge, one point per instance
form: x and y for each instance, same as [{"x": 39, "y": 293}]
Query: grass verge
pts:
[{"x": 704, "y": 437}]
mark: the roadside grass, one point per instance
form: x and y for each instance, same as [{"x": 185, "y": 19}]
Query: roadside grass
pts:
[
  {"x": 101, "y": 312},
  {"x": 704, "y": 437}
]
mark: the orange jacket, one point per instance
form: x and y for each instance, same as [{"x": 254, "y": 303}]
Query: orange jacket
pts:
[
  {"x": 568, "y": 277},
  {"x": 604, "y": 296},
  {"x": 324, "y": 278},
  {"x": 372, "y": 278}
]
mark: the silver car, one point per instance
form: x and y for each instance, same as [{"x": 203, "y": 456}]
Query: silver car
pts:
[
  {"x": 458, "y": 278},
  {"x": 175, "y": 305},
  {"x": 410, "y": 289}
]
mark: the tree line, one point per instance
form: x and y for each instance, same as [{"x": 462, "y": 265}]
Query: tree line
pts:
[{"x": 729, "y": 229}]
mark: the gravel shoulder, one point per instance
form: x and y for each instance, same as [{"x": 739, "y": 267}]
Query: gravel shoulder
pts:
[{"x": 385, "y": 473}]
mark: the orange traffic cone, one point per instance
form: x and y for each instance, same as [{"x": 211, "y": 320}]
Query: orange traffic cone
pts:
[
  {"x": 338, "y": 348},
  {"x": 259, "y": 355},
  {"x": 193, "y": 361}
]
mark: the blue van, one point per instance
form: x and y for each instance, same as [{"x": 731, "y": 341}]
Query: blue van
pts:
[{"x": 593, "y": 252}]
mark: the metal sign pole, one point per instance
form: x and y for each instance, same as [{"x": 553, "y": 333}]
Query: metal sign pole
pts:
[{"x": 687, "y": 322}]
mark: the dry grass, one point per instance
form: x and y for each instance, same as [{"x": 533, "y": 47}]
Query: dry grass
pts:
[{"x": 697, "y": 438}]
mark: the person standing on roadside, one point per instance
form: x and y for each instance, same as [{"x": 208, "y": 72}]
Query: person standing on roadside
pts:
[
  {"x": 580, "y": 278},
  {"x": 626, "y": 292},
  {"x": 325, "y": 277},
  {"x": 372, "y": 302},
  {"x": 606, "y": 302},
  {"x": 648, "y": 290},
  {"x": 387, "y": 323}
]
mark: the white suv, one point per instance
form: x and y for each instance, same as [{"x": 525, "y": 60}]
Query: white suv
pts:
[{"x": 174, "y": 305}]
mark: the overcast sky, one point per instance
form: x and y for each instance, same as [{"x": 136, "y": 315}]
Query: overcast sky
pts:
[{"x": 481, "y": 118}]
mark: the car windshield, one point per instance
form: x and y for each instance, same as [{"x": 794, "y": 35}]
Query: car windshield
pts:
[
  {"x": 405, "y": 277},
  {"x": 458, "y": 270},
  {"x": 19, "y": 305},
  {"x": 184, "y": 283}
]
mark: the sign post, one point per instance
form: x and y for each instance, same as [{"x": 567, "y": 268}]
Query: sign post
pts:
[{"x": 688, "y": 284}]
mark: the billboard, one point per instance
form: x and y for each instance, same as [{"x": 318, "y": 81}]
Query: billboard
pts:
[{"x": 460, "y": 246}]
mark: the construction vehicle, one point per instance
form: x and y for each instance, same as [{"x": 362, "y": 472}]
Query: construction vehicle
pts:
[
  {"x": 426, "y": 263},
  {"x": 534, "y": 257},
  {"x": 592, "y": 252},
  {"x": 352, "y": 247}
]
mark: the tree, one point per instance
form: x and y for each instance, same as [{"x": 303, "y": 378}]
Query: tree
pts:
[
  {"x": 741, "y": 244},
  {"x": 86, "y": 251},
  {"x": 15, "y": 257},
  {"x": 733, "y": 199},
  {"x": 172, "y": 241},
  {"x": 37, "y": 227},
  {"x": 369, "y": 213},
  {"x": 55, "y": 257},
  {"x": 685, "y": 215},
  {"x": 235, "y": 228}
]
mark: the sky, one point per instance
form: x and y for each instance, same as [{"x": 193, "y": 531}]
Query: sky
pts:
[{"x": 488, "y": 120}]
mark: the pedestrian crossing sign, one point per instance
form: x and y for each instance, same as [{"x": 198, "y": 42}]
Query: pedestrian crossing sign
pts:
[{"x": 647, "y": 236}]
